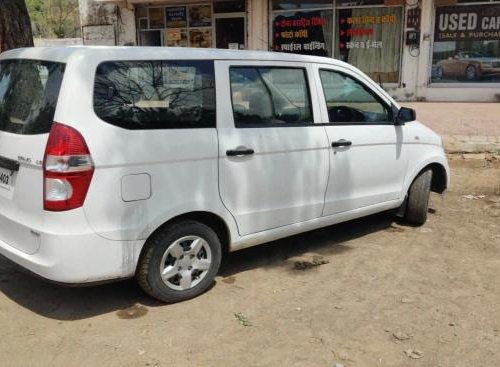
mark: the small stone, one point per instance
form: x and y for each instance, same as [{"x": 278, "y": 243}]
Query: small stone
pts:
[
  {"x": 413, "y": 354},
  {"x": 337, "y": 307},
  {"x": 298, "y": 309},
  {"x": 473, "y": 197},
  {"x": 400, "y": 336},
  {"x": 452, "y": 324},
  {"x": 338, "y": 365},
  {"x": 406, "y": 300},
  {"x": 142, "y": 352},
  {"x": 425, "y": 230}
]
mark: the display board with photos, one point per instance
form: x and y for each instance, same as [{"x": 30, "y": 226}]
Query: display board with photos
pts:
[
  {"x": 182, "y": 26},
  {"x": 466, "y": 46},
  {"x": 156, "y": 18}
]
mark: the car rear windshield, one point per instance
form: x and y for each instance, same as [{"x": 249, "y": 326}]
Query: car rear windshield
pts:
[
  {"x": 28, "y": 95},
  {"x": 176, "y": 94}
]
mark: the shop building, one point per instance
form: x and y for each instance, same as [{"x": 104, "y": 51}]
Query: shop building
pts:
[{"x": 434, "y": 50}]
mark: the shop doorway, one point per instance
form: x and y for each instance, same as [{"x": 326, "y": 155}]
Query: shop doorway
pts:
[{"x": 230, "y": 31}]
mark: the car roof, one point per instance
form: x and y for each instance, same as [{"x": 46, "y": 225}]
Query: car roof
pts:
[{"x": 103, "y": 53}]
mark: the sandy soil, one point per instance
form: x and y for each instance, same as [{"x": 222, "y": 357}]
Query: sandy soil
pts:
[{"x": 371, "y": 292}]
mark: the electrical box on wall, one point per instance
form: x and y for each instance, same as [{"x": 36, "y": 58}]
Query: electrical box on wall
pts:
[
  {"x": 412, "y": 38},
  {"x": 413, "y": 18}
]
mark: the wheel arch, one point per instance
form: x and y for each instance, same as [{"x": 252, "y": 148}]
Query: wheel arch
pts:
[
  {"x": 210, "y": 219},
  {"x": 439, "y": 181},
  {"x": 440, "y": 174}
]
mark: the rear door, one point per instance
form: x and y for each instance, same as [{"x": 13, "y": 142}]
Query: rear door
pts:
[
  {"x": 273, "y": 158},
  {"x": 29, "y": 92}
]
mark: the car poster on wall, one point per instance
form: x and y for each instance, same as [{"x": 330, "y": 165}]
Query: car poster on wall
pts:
[{"x": 466, "y": 44}]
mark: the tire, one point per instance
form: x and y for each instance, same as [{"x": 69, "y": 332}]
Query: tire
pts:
[
  {"x": 188, "y": 254},
  {"x": 418, "y": 199},
  {"x": 471, "y": 73},
  {"x": 439, "y": 73}
]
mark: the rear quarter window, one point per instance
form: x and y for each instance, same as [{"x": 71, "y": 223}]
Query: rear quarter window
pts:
[
  {"x": 29, "y": 90},
  {"x": 156, "y": 94}
]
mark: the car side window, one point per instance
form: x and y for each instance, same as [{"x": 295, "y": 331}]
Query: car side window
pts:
[
  {"x": 270, "y": 96},
  {"x": 172, "y": 94},
  {"x": 349, "y": 101}
]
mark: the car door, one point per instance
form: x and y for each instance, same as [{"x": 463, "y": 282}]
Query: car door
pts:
[
  {"x": 368, "y": 158},
  {"x": 273, "y": 158}
]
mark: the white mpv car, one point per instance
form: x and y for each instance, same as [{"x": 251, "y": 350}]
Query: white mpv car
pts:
[{"x": 153, "y": 162}]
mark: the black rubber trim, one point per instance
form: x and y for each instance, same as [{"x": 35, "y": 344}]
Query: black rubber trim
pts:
[
  {"x": 238, "y": 152},
  {"x": 341, "y": 143}
]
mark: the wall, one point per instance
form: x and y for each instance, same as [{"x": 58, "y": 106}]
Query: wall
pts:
[
  {"x": 257, "y": 25},
  {"x": 57, "y": 42},
  {"x": 107, "y": 24}
]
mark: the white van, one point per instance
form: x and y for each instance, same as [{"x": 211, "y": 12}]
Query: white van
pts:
[{"x": 153, "y": 162}]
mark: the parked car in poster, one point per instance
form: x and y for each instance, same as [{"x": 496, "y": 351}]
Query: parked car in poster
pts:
[{"x": 468, "y": 65}]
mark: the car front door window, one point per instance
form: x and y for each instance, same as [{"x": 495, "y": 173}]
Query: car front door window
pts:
[{"x": 349, "y": 101}]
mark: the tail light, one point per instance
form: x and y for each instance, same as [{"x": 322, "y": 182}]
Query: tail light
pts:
[{"x": 67, "y": 169}]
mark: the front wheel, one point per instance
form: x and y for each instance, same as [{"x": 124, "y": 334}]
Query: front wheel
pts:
[
  {"x": 439, "y": 73},
  {"x": 471, "y": 73},
  {"x": 418, "y": 198},
  {"x": 179, "y": 261}
]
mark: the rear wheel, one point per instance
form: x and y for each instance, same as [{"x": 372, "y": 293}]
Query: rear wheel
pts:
[
  {"x": 179, "y": 261},
  {"x": 418, "y": 198}
]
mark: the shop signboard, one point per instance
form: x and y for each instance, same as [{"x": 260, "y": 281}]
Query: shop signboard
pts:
[
  {"x": 176, "y": 16},
  {"x": 303, "y": 32},
  {"x": 466, "y": 44},
  {"x": 370, "y": 39},
  {"x": 471, "y": 23}
]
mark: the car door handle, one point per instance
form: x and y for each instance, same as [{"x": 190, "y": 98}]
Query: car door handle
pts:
[
  {"x": 341, "y": 143},
  {"x": 239, "y": 152}
]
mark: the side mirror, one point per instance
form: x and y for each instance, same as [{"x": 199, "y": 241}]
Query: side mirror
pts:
[{"x": 404, "y": 115}]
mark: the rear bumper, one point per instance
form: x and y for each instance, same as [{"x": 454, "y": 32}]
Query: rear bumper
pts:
[{"x": 77, "y": 259}]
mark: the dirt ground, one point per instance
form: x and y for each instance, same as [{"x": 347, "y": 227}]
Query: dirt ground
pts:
[{"x": 371, "y": 292}]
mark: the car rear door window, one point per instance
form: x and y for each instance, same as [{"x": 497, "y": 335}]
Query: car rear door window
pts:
[
  {"x": 349, "y": 101},
  {"x": 156, "y": 94},
  {"x": 29, "y": 90},
  {"x": 272, "y": 96}
]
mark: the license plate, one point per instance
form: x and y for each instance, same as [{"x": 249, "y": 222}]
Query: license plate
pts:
[{"x": 5, "y": 178}]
